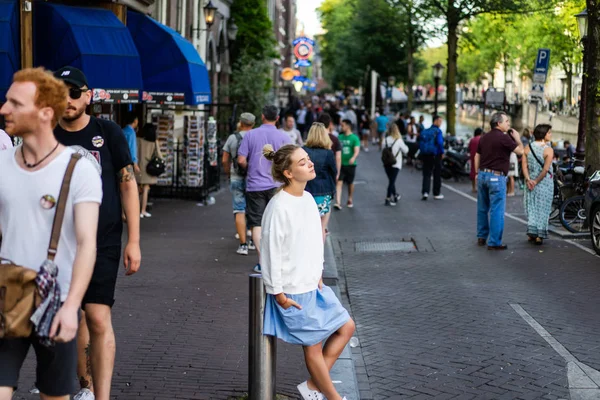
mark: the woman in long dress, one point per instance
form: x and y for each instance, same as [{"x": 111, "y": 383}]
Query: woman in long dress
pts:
[{"x": 536, "y": 163}]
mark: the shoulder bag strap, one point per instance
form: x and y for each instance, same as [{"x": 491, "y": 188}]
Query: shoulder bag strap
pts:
[
  {"x": 536, "y": 158},
  {"x": 60, "y": 206}
]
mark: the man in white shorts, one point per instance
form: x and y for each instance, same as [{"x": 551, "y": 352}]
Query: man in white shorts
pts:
[{"x": 30, "y": 182}]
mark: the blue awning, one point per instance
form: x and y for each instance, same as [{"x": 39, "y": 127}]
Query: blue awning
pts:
[
  {"x": 91, "y": 39},
  {"x": 170, "y": 63},
  {"x": 10, "y": 44}
]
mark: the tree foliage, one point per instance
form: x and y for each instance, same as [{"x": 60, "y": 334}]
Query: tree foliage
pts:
[
  {"x": 363, "y": 35},
  {"x": 251, "y": 55},
  {"x": 250, "y": 88},
  {"x": 255, "y": 36},
  {"x": 456, "y": 12}
]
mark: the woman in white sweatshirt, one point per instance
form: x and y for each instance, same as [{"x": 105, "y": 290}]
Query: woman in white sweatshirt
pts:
[{"x": 299, "y": 308}]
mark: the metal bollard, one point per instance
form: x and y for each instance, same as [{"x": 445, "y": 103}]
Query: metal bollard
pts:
[{"x": 262, "y": 350}]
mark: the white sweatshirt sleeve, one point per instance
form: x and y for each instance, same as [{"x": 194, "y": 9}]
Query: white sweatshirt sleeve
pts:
[{"x": 272, "y": 246}]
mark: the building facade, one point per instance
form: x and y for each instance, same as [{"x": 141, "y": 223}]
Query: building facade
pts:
[{"x": 282, "y": 14}]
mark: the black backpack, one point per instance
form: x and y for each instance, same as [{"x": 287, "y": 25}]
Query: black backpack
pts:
[
  {"x": 239, "y": 170},
  {"x": 387, "y": 155}
]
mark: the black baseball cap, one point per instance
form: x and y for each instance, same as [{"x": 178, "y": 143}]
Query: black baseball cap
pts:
[{"x": 72, "y": 75}]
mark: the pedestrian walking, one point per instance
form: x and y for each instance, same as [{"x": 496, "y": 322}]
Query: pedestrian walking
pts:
[
  {"x": 492, "y": 162},
  {"x": 539, "y": 194},
  {"x": 289, "y": 129},
  {"x": 350, "y": 150},
  {"x": 318, "y": 148},
  {"x": 129, "y": 130},
  {"x": 473, "y": 145},
  {"x": 105, "y": 141},
  {"x": 260, "y": 186},
  {"x": 30, "y": 184},
  {"x": 382, "y": 122},
  {"x": 365, "y": 130},
  {"x": 237, "y": 179},
  {"x": 299, "y": 308},
  {"x": 301, "y": 118},
  {"x": 147, "y": 148},
  {"x": 431, "y": 148},
  {"x": 336, "y": 145},
  {"x": 394, "y": 147}
]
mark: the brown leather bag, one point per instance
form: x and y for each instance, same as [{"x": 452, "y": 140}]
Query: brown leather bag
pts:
[{"x": 19, "y": 296}]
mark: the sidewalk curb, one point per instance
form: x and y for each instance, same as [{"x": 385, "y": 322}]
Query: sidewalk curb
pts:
[{"x": 343, "y": 373}]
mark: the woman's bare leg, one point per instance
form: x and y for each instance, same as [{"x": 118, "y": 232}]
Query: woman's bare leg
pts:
[
  {"x": 334, "y": 347},
  {"x": 317, "y": 368}
]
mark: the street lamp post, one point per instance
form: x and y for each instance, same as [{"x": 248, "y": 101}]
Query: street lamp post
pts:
[
  {"x": 437, "y": 75},
  {"x": 582, "y": 23}
]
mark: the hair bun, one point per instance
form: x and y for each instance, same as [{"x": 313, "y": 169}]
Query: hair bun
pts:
[{"x": 269, "y": 152}]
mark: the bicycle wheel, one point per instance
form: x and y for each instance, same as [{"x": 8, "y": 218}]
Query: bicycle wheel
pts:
[{"x": 572, "y": 214}]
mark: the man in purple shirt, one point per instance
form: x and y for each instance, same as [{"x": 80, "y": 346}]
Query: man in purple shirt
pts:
[{"x": 260, "y": 186}]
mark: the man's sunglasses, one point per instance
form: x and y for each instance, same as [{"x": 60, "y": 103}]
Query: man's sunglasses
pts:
[{"x": 75, "y": 93}]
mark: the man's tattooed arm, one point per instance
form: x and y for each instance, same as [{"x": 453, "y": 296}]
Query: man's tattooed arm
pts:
[{"x": 126, "y": 174}]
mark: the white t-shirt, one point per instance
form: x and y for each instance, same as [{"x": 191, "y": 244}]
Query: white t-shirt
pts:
[
  {"x": 294, "y": 135},
  {"x": 27, "y": 207},
  {"x": 397, "y": 149},
  {"x": 291, "y": 251}
]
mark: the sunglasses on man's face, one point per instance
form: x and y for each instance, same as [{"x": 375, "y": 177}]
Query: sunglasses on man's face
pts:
[{"x": 75, "y": 93}]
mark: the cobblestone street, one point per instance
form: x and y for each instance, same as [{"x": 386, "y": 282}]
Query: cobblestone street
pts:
[{"x": 438, "y": 322}]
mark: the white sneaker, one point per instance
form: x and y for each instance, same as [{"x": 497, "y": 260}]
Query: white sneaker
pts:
[
  {"x": 425, "y": 196},
  {"x": 84, "y": 394},
  {"x": 439, "y": 197},
  {"x": 251, "y": 245},
  {"x": 308, "y": 394},
  {"x": 243, "y": 249},
  {"x": 146, "y": 214}
]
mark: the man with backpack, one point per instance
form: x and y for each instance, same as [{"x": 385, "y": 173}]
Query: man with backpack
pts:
[
  {"x": 431, "y": 148},
  {"x": 237, "y": 178}
]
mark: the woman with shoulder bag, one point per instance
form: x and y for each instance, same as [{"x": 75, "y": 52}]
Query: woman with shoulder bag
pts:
[
  {"x": 397, "y": 146},
  {"x": 536, "y": 163},
  {"x": 147, "y": 150}
]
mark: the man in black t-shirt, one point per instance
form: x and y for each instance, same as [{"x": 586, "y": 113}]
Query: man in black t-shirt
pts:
[
  {"x": 106, "y": 142},
  {"x": 492, "y": 162}
]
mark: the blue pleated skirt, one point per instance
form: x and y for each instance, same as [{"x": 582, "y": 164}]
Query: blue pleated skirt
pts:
[{"x": 322, "y": 314}]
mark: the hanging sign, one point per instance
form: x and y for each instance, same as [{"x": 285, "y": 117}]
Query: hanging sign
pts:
[
  {"x": 302, "y": 63},
  {"x": 287, "y": 74},
  {"x": 115, "y": 96},
  {"x": 303, "y": 47},
  {"x": 540, "y": 73},
  {"x": 166, "y": 98}
]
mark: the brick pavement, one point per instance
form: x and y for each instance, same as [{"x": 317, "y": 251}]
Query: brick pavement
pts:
[
  {"x": 182, "y": 321},
  {"x": 437, "y": 323}
]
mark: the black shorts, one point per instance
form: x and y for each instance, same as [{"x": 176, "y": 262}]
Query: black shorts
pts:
[
  {"x": 256, "y": 203},
  {"x": 104, "y": 279},
  {"x": 347, "y": 174},
  {"x": 56, "y": 366}
]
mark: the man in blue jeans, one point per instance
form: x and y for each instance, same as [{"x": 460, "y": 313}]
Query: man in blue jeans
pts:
[{"x": 492, "y": 162}]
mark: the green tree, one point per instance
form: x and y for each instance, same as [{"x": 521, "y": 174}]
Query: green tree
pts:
[
  {"x": 336, "y": 44},
  {"x": 255, "y": 31},
  {"x": 250, "y": 88},
  {"x": 414, "y": 34},
  {"x": 365, "y": 35},
  {"x": 454, "y": 13},
  {"x": 251, "y": 55}
]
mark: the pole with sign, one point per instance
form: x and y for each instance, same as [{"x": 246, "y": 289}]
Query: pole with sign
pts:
[{"x": 540, "y": 74}]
